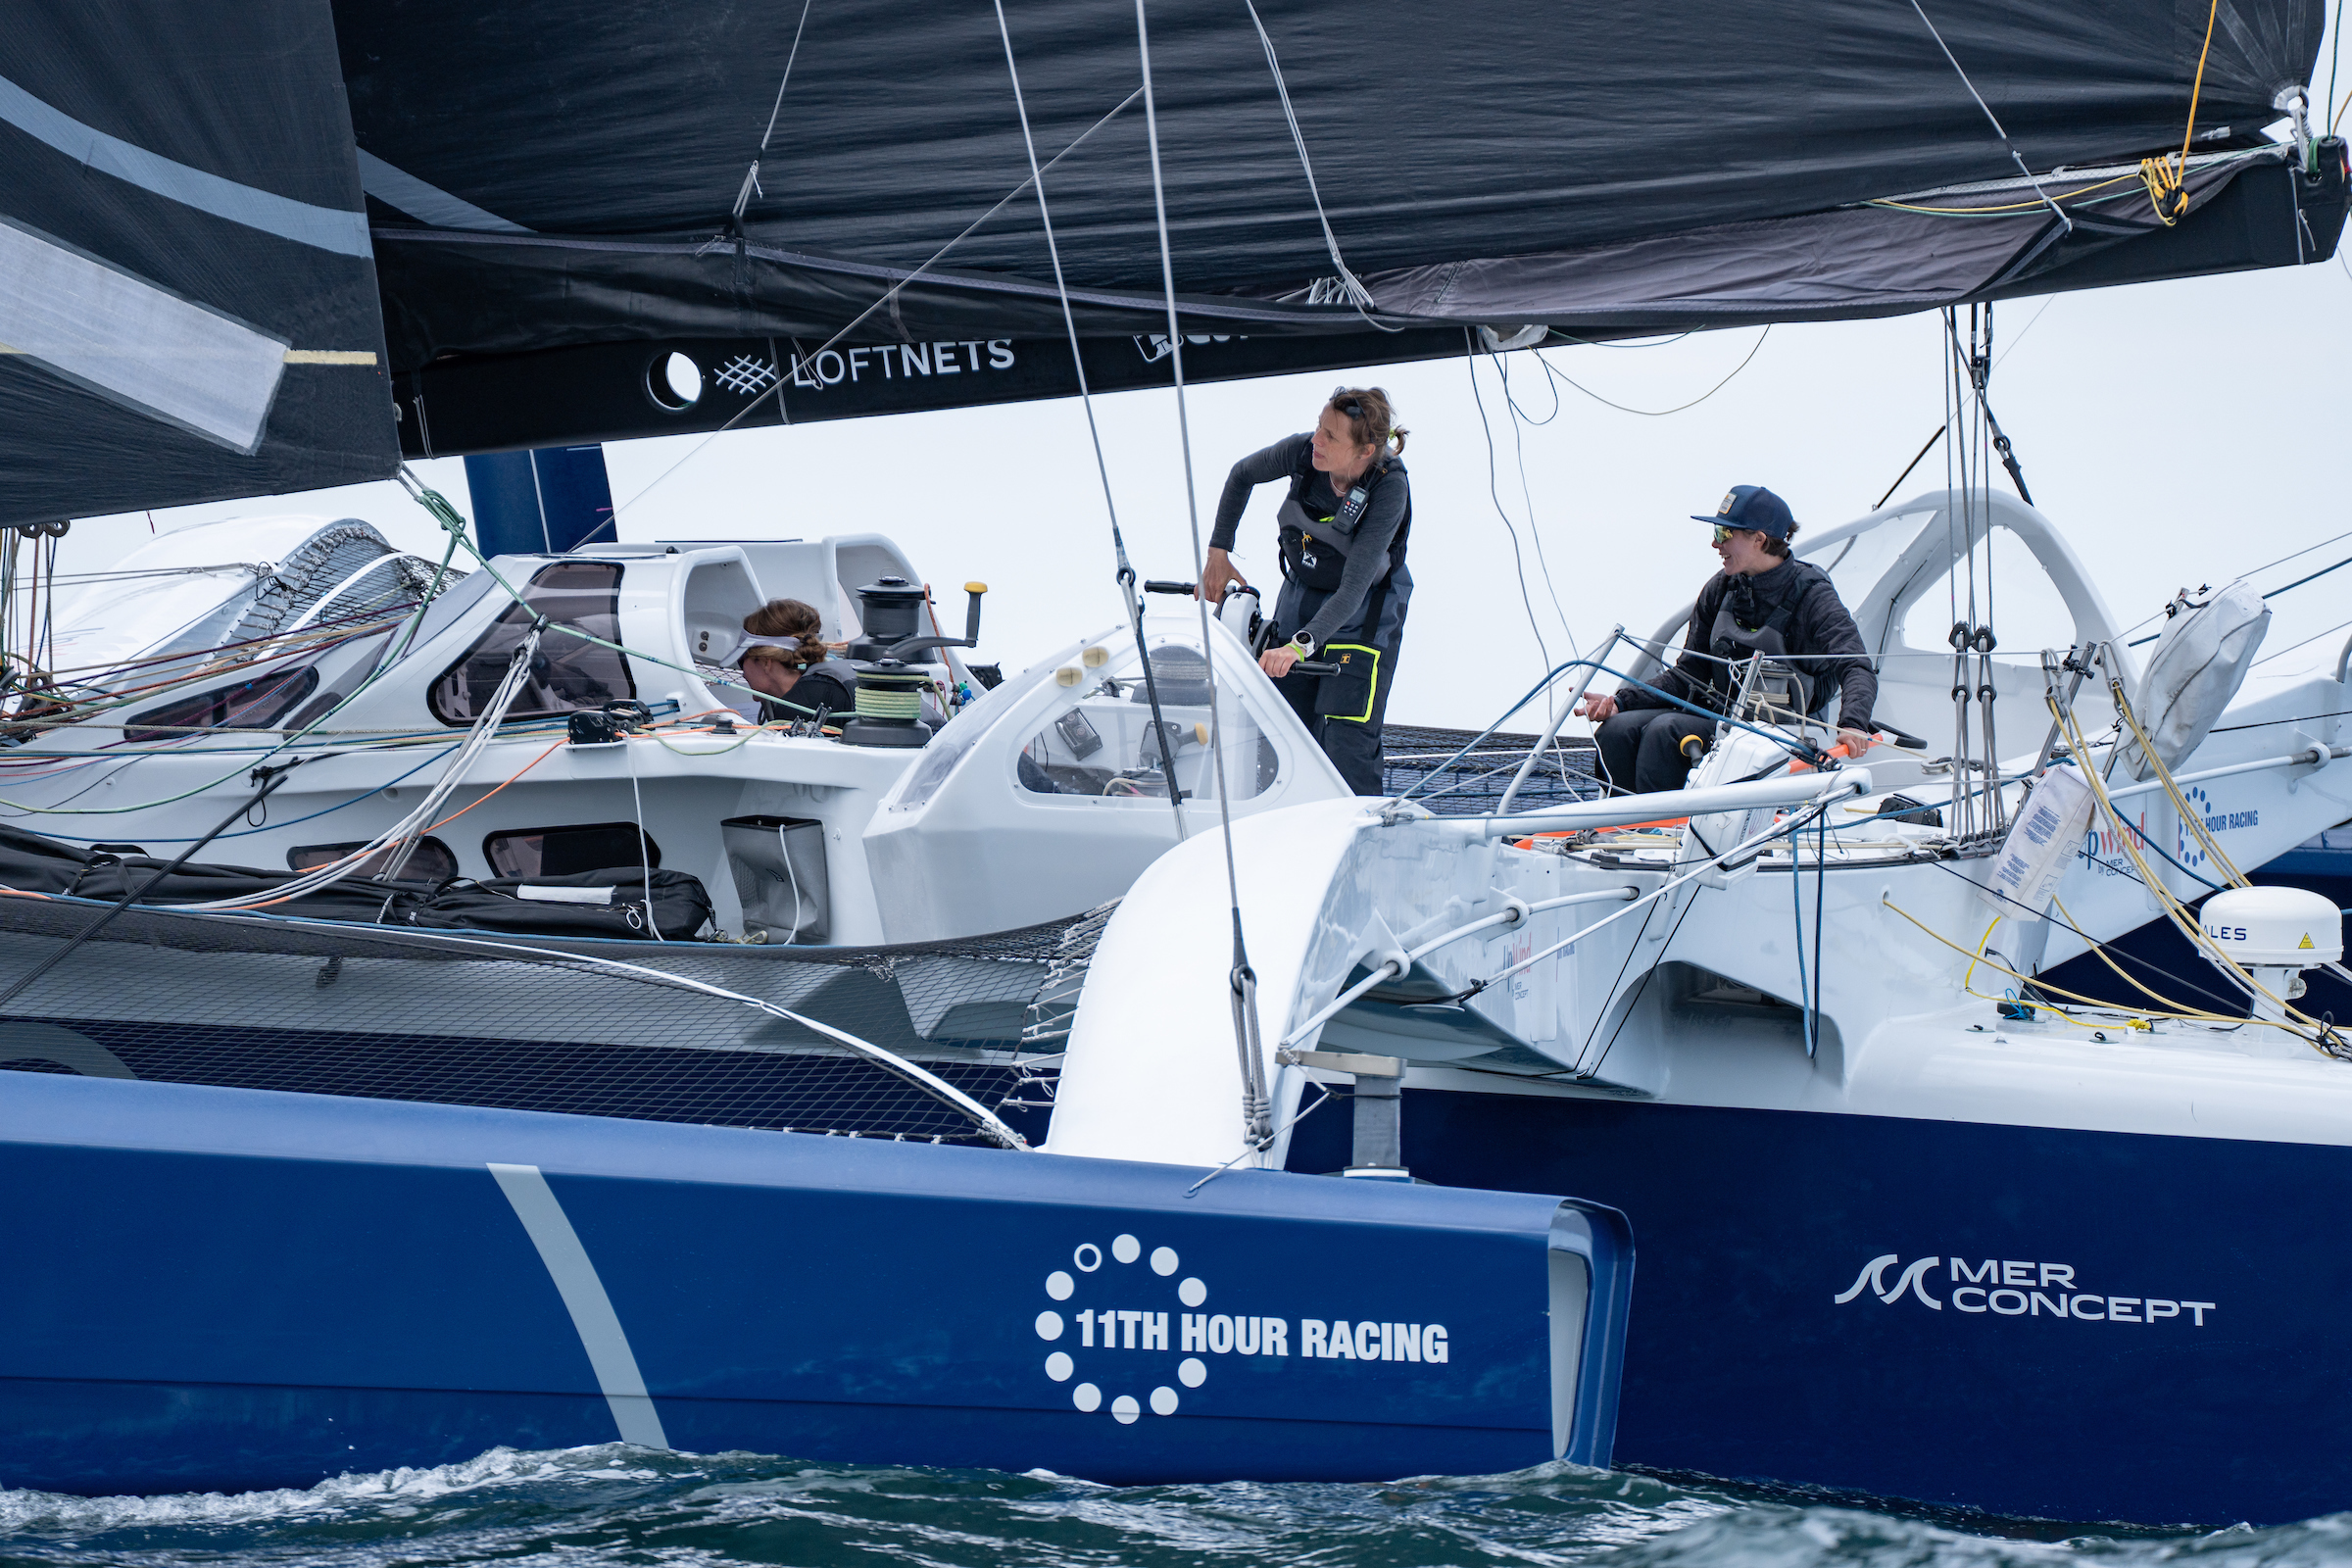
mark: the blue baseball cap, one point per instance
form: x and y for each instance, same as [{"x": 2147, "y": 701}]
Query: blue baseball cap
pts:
[{"x": 1752, "y": 506}]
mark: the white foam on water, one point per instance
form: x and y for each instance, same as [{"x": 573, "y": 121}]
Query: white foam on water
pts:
[{"x": 397, "y": 1492}]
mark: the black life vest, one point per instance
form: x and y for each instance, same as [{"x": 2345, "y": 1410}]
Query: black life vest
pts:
[
  {"x": 1315, "y": 561},
  {"x": 1728, "y": 639}
]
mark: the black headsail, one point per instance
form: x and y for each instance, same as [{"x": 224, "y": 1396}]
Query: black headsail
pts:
[
  {"x": 188, "y": 304},
  {"x": 822, "y": 206},
  {"x": 565, "y": 190}
]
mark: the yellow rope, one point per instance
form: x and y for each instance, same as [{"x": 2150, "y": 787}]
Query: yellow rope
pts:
[
  {"x": 2166, "y": 177},
  {"x": 2195, "y": 824},
  {"x": 2166, "y": 193},
  {"x": 2131, "y": 1019},
  {"x": 2180, "y": 914},
  {"x": 2007, "y": 207}
]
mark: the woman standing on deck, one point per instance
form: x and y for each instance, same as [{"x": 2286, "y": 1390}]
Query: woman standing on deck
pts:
[{"x": 1344, "y": 584}]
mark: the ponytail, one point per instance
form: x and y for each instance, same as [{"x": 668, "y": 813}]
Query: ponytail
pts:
[{"x": 786, "y": 617}]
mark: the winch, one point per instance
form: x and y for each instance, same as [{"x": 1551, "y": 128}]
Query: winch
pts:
[{"x": 890, "y": 691}]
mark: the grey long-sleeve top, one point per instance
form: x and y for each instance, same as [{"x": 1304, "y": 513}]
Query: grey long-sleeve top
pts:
[{"x": 1367, "y": 554}]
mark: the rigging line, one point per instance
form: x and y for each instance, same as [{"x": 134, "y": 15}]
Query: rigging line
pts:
[
  {"x": 1119, "y": 543},
  {"x": 1655, "y": 414},
  {"x": 2002, "y": 358},
  {"x": 1518, "y": 561},
  {"x": 1357, "y": 295},
  {"x": 2189, "y": 132},
  {"x": 2305, "y": 643},
  {"x": 2314, "y": 577},
  {"x": 1254, "y": 1111},
  {"x": 1915, "y": 462},
  {"x": 775, "y": 388},
  {"x": 1659, "y": 342},
  {"x": 1526, "y": 493},
  {"x": 2336, "y": 50},
  {"x": 780, "y": 86},
  {"x": 2014, "y": 155},
  {"x": 2265, "y": 567},
  {"x": 1502, "y": 369}
]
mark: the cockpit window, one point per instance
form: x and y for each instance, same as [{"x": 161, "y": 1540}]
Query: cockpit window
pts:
[
  {"x": 569, "y": 673},
  {"x": 1099, "y": 741},
  {"x": 256, "y": 703}
]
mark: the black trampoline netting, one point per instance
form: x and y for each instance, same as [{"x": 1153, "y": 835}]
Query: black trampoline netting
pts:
[
  {"x": 1446, "y": 772},
  {"x": 593, "y": 1028}
]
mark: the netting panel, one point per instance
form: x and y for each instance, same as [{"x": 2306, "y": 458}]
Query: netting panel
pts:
[
  {"x": 1418, "y": 758},
  {"x": 317, "y": 1008}
]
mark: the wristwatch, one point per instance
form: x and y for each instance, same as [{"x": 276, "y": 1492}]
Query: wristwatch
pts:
[{"x": 1302, "y": 645}]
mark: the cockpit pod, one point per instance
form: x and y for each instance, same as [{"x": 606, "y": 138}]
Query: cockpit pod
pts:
[{"x": 1049, "y": 794}]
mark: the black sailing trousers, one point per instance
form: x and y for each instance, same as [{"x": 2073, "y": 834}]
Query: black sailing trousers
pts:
[
  {"x": 1344, "y": 712},
  {"x": 1641, "y": 748}
]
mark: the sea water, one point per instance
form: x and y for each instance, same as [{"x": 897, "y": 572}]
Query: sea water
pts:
[{"x": 590, "y": 1508}]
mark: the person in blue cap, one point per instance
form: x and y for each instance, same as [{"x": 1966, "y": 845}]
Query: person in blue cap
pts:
[{"x": 1763, "y": 601}]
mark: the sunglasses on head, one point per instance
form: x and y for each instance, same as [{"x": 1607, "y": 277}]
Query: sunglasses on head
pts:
[{"x": 1351, "y": 408}]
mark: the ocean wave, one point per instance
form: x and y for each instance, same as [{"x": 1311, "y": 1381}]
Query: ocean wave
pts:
[{"x": 613, "y": 1504}]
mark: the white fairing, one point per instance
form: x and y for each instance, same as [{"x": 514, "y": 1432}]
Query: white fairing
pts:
[
  {"x": 1023, "y": 808},
  {"x": 179, "y": 591}
]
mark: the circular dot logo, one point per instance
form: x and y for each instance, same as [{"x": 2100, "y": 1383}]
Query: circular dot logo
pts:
[{"x": 1120, "y": 1328}]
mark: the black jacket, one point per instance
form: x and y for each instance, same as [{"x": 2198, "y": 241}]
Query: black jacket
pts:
[{"x": 1816, "y": 625}]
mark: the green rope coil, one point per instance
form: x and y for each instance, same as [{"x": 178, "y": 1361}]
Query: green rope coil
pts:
[{"x": 901, "y": 699}]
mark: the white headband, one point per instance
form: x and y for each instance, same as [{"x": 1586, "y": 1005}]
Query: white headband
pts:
[{"x": 753, "y": 640}]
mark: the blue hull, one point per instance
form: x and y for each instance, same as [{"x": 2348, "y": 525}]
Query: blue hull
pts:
[
  {"x": 1741, "y": 1361},
  {"x": 227, "y": 1289}
]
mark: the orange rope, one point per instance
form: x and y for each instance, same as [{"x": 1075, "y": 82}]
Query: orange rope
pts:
[{"x": 518, "y": 773}]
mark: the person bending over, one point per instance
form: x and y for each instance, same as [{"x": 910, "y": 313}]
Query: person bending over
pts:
[
  {"x": 1762, "y": 601},
  {"x": 1344, "y": 585}
]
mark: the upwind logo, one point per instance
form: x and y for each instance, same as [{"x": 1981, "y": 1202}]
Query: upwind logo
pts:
[{"x": 1913, "y": 1279}]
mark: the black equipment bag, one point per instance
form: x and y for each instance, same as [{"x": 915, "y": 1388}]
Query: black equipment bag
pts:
[
  {"x": 32, "y": 864},
  {"x": 610, "y": 902},
  {"x": 108, "y": 877}
]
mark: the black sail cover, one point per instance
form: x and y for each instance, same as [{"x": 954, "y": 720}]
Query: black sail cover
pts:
[
  {"x": 188, "y": 305},
  {"x": 590, "y": 219},
  {"x": 564, "y": 191}
]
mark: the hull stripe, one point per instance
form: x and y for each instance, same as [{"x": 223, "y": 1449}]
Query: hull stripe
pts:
[{"x": 583, "y": 1292}]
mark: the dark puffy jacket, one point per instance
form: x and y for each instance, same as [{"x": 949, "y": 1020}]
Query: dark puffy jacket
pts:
[{"x": 1816, "y": 625}]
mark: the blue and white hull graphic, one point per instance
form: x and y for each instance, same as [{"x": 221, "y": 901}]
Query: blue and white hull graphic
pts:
[
  {"x": 225, "y": 1289},
  {"x": 2041, "y": 1321}
]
